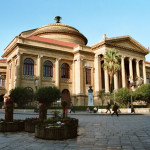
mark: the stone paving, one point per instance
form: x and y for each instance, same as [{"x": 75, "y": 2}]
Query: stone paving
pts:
[{"x": 96, "y": 132}]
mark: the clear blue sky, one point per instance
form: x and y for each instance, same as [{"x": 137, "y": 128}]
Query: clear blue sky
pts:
[{"x": 93, "y": 18}]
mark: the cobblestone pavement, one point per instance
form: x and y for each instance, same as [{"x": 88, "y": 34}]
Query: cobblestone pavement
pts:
[{"x": 96, "y": 132}]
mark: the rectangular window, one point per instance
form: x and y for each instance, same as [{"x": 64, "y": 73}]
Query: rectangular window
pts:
[{"x": 88, "y": 76}]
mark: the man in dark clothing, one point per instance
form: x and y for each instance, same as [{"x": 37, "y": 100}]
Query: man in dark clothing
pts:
[
  {"x": 71, "y": 108},
  {"x": 115, "y": 109},
  {"x": 108, "y": 108},
  {"x": 132, "y": 108}
]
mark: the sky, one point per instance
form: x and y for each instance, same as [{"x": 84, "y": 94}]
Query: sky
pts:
[{"x": 92, "y": 18}]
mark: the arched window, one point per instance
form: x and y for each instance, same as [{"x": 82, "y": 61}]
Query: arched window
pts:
[
  {"x": 65, "y": 71},
  {"x": 2, "y": 80},
  {"x": 48, "y": 69},
  {"x": 28, "y": 67},
  {"x": 88, "y": 76}
]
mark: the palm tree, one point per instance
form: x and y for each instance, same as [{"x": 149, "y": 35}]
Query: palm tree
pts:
[{"x": 111, "y": 63}]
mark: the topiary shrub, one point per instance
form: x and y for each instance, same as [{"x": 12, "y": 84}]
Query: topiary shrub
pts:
[
  {"x": 45, "y": 96},
  {"x": 20, "y": 95}
]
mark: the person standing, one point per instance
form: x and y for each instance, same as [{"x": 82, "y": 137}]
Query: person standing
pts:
[
  {"x": 115, "y": 109},
  {"x": 108, "y": 108}
]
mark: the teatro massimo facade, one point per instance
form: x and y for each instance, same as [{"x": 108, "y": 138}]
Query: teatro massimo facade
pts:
[{"x": 57, "y": 55}]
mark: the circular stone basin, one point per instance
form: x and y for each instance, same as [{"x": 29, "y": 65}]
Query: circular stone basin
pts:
[
  {"x": 54, "y": 133},
  {"x": 11, "y": 126}
]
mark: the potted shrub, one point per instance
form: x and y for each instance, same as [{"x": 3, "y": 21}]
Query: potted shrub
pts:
[
  {"x": 45, "y": 96},
  {"x": 21, "y": 96},
  {"x": 57, "y": 128}
]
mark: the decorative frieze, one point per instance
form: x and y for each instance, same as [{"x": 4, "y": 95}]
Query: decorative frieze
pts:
[
  {"x": 28, "y": 77},
  {"x": 48, "y": 78},
  {"x": 67, "y": 80}
]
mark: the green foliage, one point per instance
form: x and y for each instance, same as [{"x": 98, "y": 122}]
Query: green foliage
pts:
[
  {"x": 101, "y": 95},
  {"x": 20, "y": 95},
  {"x": 143, "y": 93},
  {"x": 111, "y": 63},
  {"x": 122, "y": 95},
  {"x": 47, "y": 95}
]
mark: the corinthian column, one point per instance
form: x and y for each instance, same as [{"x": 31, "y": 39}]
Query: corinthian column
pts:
[
  {"x": 97, "y": 64},
  {"x": 39, "y": 74},
  {"x": 57, "y": 72},
  {"x": 131, "y": 69},
  {"x": 106, "y": 81},
  {"x": 73, "y": 77},
  {"x": 116, "y": 81},
  {"x": 144, "y": 72},
  {"x": 79, "y": 76},
  {"x": 123, "y": 72},
  {"x": 137, "y": 68},
  {"x": 18, "y": 70}
]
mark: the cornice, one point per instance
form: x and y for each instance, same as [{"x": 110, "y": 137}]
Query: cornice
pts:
[
  {"x": 85, "y": 52},
  {"x": 8, "y": 51},
  {"x": 126, "y": 48},
  {"x": 98, "y": 45},
  {"x": 44, "y": 48}
]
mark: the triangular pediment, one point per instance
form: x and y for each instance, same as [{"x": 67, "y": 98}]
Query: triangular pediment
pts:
[{"x": 127, "y": 43}]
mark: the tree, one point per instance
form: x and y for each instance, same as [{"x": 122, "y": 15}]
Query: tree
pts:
[
  {"x": 47, "y": 95},
  {"x": 21, "y": 96},
  {"x": 111, "y": 63},
  {"x": 143, "y": 93},
  {"x": 122, "y": 95}
]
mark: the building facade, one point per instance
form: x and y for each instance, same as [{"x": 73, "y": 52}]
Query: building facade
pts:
[{"x": 57, "y": 55}]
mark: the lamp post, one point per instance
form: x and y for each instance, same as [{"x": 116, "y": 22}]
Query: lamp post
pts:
[
  {"x": 132, "y": 84},
  {"x": 36, "y": 83}
]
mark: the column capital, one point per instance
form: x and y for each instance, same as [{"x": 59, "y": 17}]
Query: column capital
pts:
[
  {"x": 40, "y": 56},
  {"x": 58, "y": 59},
  {"x": 79, "y": 59},
  {"x": 130, "y": 58},
  {"x": 137, "y": 60},
  {"x": 96, "y": 56},
  {"x": 123, "y": 57},
  {"x": 143, "y": 61}
]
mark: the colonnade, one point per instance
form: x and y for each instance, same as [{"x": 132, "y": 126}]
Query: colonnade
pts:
[{"x": 98, "y": 82}]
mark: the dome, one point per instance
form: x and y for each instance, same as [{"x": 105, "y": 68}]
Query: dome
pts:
[{"x": 62, "y": 32}]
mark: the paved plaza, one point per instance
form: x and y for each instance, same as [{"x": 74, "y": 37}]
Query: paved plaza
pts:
[{"x": 96, "y": 132}]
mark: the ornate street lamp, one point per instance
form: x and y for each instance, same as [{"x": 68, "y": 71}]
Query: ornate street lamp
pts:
[{"x": 36, "y": 83}]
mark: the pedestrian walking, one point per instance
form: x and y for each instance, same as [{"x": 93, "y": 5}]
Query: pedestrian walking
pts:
[
  {"x": 132, "y": 108},
  {"x": 108, "y": 108},
  {"x": 115, "y": 109},
  {"x": 71, "y": 108}
]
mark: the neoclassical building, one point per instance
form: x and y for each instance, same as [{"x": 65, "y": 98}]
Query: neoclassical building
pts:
[{"x": 57, "y": 55}]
